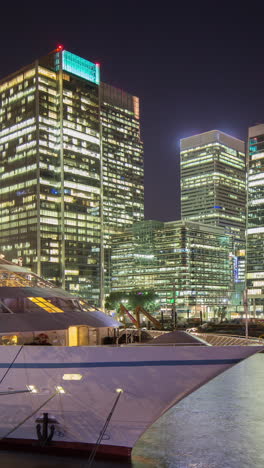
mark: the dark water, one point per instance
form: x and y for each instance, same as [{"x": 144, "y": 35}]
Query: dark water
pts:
[{"x": 221, "y": 425}]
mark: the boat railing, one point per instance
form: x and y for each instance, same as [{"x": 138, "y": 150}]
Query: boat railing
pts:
[
  {"x": 211, "y": 339},
  {"x": 228, "y": 340},
  {"x": 152, "y": 343}
]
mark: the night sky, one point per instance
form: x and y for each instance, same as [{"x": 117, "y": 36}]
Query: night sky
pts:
[{"x": 195, "y": 68}]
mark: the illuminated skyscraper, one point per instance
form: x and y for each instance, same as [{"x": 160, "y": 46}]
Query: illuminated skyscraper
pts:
[
  {"x": 213, "y": 191},
  {"x": 123, "y": 189},
  {"x": 213, "y": 180},
  {"x": 67, "y": 147},
  {"x": 255, "y": 223},
  {"x": 122, "y": 159}
]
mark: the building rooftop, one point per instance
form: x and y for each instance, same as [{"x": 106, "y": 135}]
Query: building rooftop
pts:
[
  {"x": 255, "y": 130},
  {"x": 213, "y": 136}
]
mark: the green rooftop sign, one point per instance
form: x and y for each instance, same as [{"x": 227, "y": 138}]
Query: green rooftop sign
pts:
[{"x": 80, "y": 67}]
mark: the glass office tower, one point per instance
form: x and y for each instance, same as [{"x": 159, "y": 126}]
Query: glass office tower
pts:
[
  {"x": 122, "y": 159},
  {"x": 180, "y": 260},
  {"x": 213, "y": 191},
  {"x": 255, "y": 221},
  {"x": 213, "y": 181},
  {"x": 53, "y": 166},
  {"x": 123, "y": 172}
]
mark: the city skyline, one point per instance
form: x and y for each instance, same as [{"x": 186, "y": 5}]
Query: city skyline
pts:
[{"x": 194, "y": 71}]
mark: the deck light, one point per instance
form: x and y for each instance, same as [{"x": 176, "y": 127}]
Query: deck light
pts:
[
  {"x": 32, "y": 388},
  {"x": 72, "y": 376},
  {"x": 60, "y": 389}
]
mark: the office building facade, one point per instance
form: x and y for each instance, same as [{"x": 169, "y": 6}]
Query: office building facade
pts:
[
  {"x": 213, "y": 191},
  {"x": 183, "y": 261},
  {"x": 255, "y": 220},
  {"x": 56, "y": 166},
  {"x": 123, "y": 172},
  {"x": 213, "y": 181}
]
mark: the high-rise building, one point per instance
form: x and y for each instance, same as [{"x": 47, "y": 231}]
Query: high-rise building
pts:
[
  {"x": 255, "y": 221},
  {"x": 213, "y": 181},
  {"x": 71, "y": 169},
  {"x": 213, "y": 191},
  {"x": 123, "y": 189},
  {"x": 122, "y": 159},
  {"x": 182, "y": 261}
]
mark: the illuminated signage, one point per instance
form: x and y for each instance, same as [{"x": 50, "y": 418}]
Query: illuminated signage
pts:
[{"x": 80, "y": 67}]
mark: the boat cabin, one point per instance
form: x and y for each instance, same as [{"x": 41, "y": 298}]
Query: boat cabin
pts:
[{"x": 35, "y": 312}]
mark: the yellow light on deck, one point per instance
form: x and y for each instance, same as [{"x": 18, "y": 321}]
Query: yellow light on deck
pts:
[
  {"x": 32, "y": 388},
  {"x": 119, "y": 390},
  {"x": 72, "y": 377},
  {"x": 60, "y": 389}
]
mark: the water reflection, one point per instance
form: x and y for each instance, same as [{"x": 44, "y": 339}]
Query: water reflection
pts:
[{"x": 221, "y": 425}]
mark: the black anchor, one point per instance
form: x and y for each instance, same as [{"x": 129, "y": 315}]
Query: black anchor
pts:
[{"x": 46, "y": 436}]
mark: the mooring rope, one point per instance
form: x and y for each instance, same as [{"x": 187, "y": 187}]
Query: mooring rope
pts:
[
  {"x": 101, "y": 435},
  {"x": 8, "y": 369},
  {"x": 14, "y": 392},
  {"x": 30, "y": 416}
]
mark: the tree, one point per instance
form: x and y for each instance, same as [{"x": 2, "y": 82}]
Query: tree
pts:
[
  {"x": 222, "y": 313},
  {"x": 145, "y": 298},
  {"x": 114, "y": 299}
]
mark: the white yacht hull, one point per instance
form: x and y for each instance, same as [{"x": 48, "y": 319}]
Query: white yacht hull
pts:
[{"x": 153, "y": 379}]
